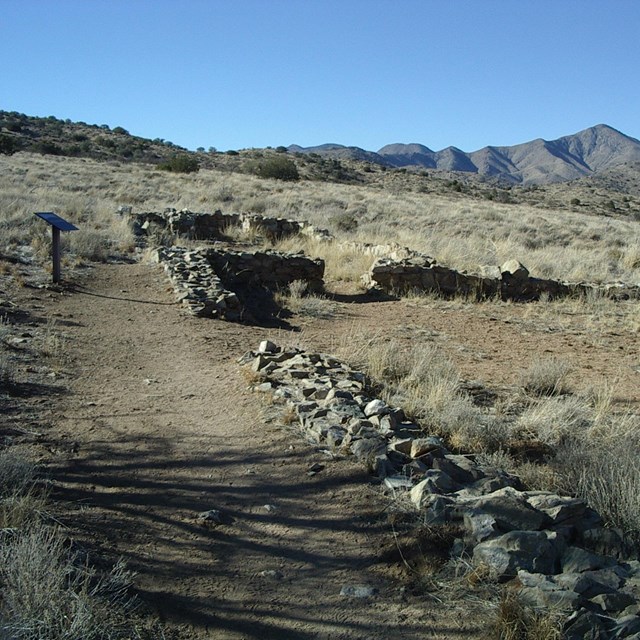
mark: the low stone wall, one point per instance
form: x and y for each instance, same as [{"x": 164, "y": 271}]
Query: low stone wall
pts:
[
  {"x": 225, "y": 284},
  {"x": 554, "y": 549},
  {"x": 278, "y": 228},
  {"x": 212, "y": 226},
  {"x": 196, "y": 284},
  {"x": 271, "y": 269},
  {"x": 397, "y": 269},
  {"x": 396, "y": 274},
  {"x": 421, "y": 273},
  {"x": 185, "y": 223}
]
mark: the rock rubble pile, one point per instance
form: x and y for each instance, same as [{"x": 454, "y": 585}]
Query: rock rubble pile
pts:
[{"x": 554, "y": 549}]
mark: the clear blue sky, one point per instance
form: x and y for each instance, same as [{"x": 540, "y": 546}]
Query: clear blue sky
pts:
[{"x": 254, "y": 73}]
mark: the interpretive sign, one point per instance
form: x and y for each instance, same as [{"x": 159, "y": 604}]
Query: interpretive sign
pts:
[{"x": 58, "y": 224}]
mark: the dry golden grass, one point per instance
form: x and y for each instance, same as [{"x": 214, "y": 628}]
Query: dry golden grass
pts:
[
  {"x": 546, "y": 377},
  {"x": 297, "y": 300},
  {"x": 515, "y": 621},
  {"x": 595, "y": 445},
  {"x": 462, "y": 233}
]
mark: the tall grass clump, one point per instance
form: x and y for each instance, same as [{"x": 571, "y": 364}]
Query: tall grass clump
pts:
[
  {"x": 546, "y": 377},
  {"x": 603, "y": 468},
  {"x": 302, "y": 302},
  {"x": 424, "y": 382},
  {"x": 516, "y": 621},
  {"x": 344, "y": 262},
  {"x": 21, "y": 504},
  {"x": 50, "y": 593},
  {"x": 554, "y": 420},
  {"x": 49, "y": 590}
]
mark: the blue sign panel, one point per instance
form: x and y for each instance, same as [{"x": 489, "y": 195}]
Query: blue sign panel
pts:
[{"x": 56, "y": 221}]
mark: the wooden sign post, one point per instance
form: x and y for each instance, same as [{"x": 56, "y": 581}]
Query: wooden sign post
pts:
[{"x": 58, "y": 224}]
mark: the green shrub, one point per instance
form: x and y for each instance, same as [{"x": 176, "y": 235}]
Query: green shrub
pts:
[
  {"x": 180, "y": 164},
  {"x": 344, "y": 221},
  {"x": 47, "y": 148},
  {"x": 279, "y": 168},
  {"x": 8, "y": 145}
]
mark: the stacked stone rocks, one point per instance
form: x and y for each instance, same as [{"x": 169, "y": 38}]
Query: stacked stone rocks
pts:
[
  {"x": 271, "y": 269},
  {"x": 208, "y": 281},
  {"x": 419, "y": 272},
  {"x": 213, "y": 226},
  {"x": 397, "y": 269},
  {"x": 554, "y": 549},
  {"x": 185, "y": 223},
  {"x": 278, "y": 228},
  {"x": 412, "y": 271},
  {"x": 196, "y": 284}
]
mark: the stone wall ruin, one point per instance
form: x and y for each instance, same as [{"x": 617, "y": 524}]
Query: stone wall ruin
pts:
[
  {"x": 553, "y": 550},
  {"x": 217, "y": 225},
  {"x": 396, "y": 270},
  {"x": 415, "y": 272},
  {"x": 235, "y": 285}
]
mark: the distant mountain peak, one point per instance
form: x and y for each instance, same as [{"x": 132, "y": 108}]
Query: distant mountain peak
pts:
[{"x": 538, "y": 161}]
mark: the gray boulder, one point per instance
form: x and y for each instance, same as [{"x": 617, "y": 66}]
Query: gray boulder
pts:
[{"x": 533, "y": 551}]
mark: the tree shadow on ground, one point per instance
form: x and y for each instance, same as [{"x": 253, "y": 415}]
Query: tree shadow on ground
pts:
[{"x": 142, "y": 499}]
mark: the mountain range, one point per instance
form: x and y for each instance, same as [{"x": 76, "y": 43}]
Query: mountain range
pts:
[{"x": 536, "y": 162}]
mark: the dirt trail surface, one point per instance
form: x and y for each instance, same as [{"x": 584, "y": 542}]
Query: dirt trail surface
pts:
[{"x": 159, "y": 426}]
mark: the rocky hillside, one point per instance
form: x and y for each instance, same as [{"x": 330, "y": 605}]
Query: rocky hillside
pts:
[
  {"x": 53, "y": 136},
  {"x": 588, "y": 152}
]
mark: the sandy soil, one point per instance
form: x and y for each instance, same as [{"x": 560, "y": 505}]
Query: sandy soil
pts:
[{"x": 156, "y": 425}]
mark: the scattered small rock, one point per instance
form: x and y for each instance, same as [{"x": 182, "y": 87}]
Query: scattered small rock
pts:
[
  {"x": 272, "y": 574},
  {"x": 215, "y": 517},
  {"x": 358, "y": 591}
]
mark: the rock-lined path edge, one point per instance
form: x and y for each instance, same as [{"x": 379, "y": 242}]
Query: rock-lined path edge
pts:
[{"x": 554, "y": 549}]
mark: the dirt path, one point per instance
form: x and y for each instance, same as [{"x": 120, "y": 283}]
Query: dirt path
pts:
[{"x": 162, "y": 428}]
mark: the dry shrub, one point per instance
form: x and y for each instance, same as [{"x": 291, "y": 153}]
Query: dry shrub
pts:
[
  {"x": 554, "y": 420},
  {"x": 299, "y": 301},
  {"x": 344, "y": 262},
  {"x": 516, "y": 621},
  {"x": 48, "y": 592},
  {"x": 21, "y": 505},
  {"x": 97, "y": 242},
  {"x": 546, "y": 377},
  {"x": 51, "y": 342},
  {"x": 604, "y": 469},
  {"x": 425, "y": 383},
  {"x": 7, "y": 370},
  {"x": 17, "y": 474}
]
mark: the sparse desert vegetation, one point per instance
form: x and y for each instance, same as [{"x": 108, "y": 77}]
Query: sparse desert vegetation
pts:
[
  {"x": 464, "y": 234},
  {"x": 549, "y": 395}
]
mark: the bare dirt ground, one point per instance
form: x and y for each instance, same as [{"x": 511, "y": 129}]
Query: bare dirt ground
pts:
[
  {"x": 158, "y": 426},
  {"x": 152, "y": 424}
]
